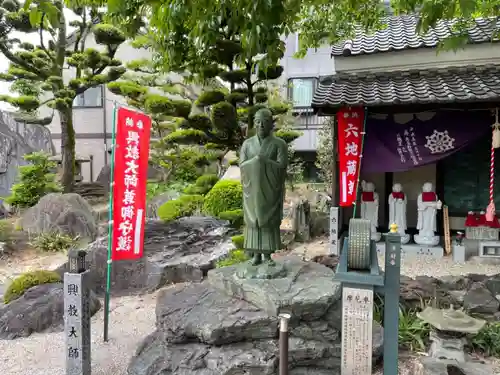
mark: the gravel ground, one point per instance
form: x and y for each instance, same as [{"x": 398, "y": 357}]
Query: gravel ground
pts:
[{"x": 132, "y": 318}]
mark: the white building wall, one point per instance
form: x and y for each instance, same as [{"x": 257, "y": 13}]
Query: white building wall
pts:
[{"x": 315, "y": 64}]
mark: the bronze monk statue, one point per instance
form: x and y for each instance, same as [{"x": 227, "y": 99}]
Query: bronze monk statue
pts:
[{"x": 263, "y": 163}]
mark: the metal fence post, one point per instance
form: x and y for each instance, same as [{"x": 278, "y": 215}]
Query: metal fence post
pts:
[
  {"x": 284, "y": 318},
  {"x": 391, "y": 300}
]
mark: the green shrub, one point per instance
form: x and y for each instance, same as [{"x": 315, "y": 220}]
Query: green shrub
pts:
[
  {"x": 52, "y": 242},
  {"x": 35, "y": 180},
  {"x": 235, "y": 217},
  {"x": 156, "y": 188},
  {"x": 185, "y": 205},
  {"x": 202, "y": 185},
  {"x": 6, "y": 231},
  {"x": 487, "y": 341},
  {"x": 226, "y": 195},
  {"x": 207, "y": 180},
  {"x": 28, "y": 280},
  {"x": 234, "y": 257},
  {"x": 238, "y": 241},
  {"x": 413, "y": 332}
]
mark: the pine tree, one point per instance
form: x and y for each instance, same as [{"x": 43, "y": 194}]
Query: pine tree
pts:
[
  {"x": 46, "y": 65},
  {"x": 170, "y": 105}
]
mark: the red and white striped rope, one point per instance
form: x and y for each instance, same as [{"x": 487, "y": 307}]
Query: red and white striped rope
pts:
[{"x": 492, "y": 170}]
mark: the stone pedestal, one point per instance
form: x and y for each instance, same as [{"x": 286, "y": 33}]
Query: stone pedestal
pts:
[
  {"x": 227, "y": 324},
  {"x": 447, "y": 347},
  {"x": 458, "y": 253},
  {"x": 427, "y": 239},
  {"x": 432, "y": 366}
]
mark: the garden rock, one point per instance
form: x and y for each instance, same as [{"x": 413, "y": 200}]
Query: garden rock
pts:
[
  {"x": 479, "y": 299},
  {"x": 155, "y": 203},
  {"x": 431, "y": 366},
  {"x": 220, "y": 327},
  {"x": 90, "y": 190},
  {"x": 180, "y": 251},
  {"x": 16, "y": 140},
  {"x": 63, "y": 213},
  {"x": 39, "y": 309}
]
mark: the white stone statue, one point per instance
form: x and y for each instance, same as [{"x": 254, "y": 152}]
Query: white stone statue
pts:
[
  {"x": 397, "y": 211},
  {"x": 369, "y": 207},
  {"x": 427, "y": 204}
]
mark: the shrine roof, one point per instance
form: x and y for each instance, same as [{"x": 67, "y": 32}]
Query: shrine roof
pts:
[
  {"x": 400, "y": 34},
  {"x": 469, "y": 84}
]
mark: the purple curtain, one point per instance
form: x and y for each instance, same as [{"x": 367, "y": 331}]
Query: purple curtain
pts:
[{"x": 399, "y": 142}]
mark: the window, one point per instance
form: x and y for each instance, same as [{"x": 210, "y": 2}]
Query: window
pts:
[
  {"x": 92, "y": 97},
  {"x": 301, "y": 91}
]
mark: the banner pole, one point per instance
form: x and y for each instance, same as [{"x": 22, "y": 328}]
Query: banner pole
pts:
[
  {"x": 110, "y": 226},
  {"x": 365, "y": 113}
]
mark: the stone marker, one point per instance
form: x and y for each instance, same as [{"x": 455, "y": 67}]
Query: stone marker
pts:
[
  {"x": 357, "y": 322},
  {"x": 334, "y": 231},
  {"x": 77, "y": 316}
]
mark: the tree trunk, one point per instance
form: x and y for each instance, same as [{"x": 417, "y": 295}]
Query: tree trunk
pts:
[{"x": 67, "y": 150}]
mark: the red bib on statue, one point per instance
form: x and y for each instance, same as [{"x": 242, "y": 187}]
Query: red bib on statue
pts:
[
  {"x": 398, "y": 195},
  {"x": 368, "y": 196},
  {"x": 429, "y": 196}
]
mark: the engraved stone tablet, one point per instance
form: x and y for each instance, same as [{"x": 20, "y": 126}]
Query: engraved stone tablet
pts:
[
  {"x": 357, "y": 321},
  {"x": 77, "y": 323},
  {"x": 334, "y": 231}
]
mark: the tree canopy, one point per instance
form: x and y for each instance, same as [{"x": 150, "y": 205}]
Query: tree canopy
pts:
[
  {"x": 40, "y": 72},
  {"x": 317, "y": 21},
  {"x": 169, "y": 103}
]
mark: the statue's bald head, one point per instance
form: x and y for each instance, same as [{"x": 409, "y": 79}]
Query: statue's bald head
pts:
[{"x": 263, "y": 122}]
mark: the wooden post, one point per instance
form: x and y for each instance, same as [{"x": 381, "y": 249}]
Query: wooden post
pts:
[{"x": 446, "y": 229}]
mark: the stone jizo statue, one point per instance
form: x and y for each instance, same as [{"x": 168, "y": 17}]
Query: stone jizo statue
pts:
[
  {"x": 397, "y": 211},
  {"x": 369, "y": 207},
  {"x": 427, "y": 204},
  {"x": 263, "y": 163}
]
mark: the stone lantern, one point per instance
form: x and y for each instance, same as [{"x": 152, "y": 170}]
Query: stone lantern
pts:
[{"x": 449, "y": 329}]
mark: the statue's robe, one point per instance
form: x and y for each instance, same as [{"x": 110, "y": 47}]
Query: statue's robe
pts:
[
  {"x": 397, "y": 211},
  {"x": 427, "y": 212},
  {"x": 263, "y": 164}
]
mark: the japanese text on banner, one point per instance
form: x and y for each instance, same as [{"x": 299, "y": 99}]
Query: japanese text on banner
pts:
[
  {"x": 129, "y": 190},
  {"x": 350, "y": 137}
]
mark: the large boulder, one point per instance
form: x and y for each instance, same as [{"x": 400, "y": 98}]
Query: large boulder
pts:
[
  {"x": 180, "y": 251},
  {"x": 227, "y": 325},
  {"x": 16, "y": 140},
  {"x": 64, "y": 213},
  {"x": 39, "y": 309},
  {"x": 156, "y": 202}
]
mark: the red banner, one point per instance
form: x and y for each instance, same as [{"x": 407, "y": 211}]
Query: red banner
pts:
[
  {"x": 133, "y": 130},
  {"x": 350, "y": 127}
]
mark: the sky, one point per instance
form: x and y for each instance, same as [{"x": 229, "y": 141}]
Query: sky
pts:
[{"x": 31, "y": 38}]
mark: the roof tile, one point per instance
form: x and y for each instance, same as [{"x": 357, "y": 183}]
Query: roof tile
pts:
[
  {"x": 400, "y": 34},
  {"x": 449, "y": 85}
]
